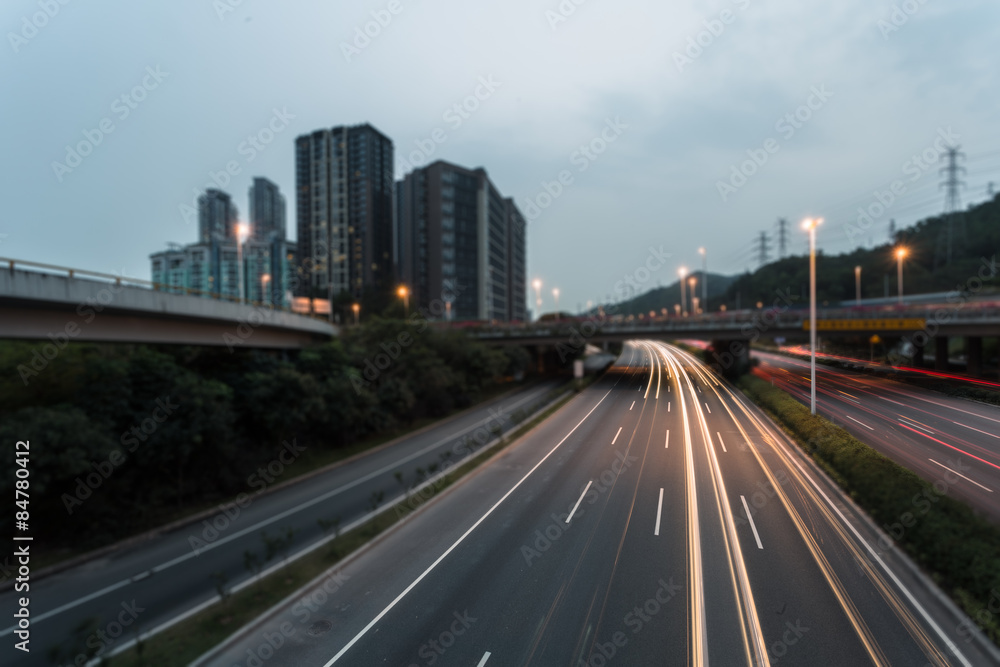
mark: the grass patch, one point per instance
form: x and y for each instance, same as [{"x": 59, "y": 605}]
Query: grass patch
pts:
[
  {"x": 958, "y": 548},
  {"x": 192, "y": 637}
]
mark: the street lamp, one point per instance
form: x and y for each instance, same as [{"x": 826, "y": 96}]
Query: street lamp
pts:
[
  {"x": 692, "y": 283},
  {"x": 404, "y": 294},
  {"x": 682, "y": 272},
  {"x": 900, "y": 254},
  {"x": 555, "y": 296},
  {"x": 810, "y": 225},
  {"x": 264, "y": 280},
  {"x": 356, "y": 307},
  {"x": 241, "y": 234},
  {"x": 537, "y": 284},
  {"x": 704, "y": 277},
  {"x": 857, "y": 285}
]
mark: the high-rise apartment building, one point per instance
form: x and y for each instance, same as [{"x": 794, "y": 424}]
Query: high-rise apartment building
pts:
[
  {"x": 343, "y": 200},
  {"x": 267, "y": 210},
  {"x": 460, "y": 242},
  {"x": 217, "y": 216}
]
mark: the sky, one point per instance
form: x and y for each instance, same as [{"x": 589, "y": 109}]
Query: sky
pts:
[{"x": 630, "y": 133}]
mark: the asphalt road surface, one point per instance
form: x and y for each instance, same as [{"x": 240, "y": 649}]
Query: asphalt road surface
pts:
[
  {"x": 950, "y": 441},
  {"x": 656, "y": 519},
  {"x": 156, "y": 582}
]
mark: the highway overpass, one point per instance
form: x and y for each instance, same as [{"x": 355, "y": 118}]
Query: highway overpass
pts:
[{"x": 43, "y": 302}]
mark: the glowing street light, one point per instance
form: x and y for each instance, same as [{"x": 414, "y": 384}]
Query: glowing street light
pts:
[
  {"x": 692, "y": 283},
  {"x": 682, "y": 272},
  {"x": 356, "y": 307},
  {"x": 404, "y": 294},
  {"x": 555, "y": 296},
  {"x": 264, "y": 280},
  {"x": 810, "y": 225},
  {"x": 900, "y": 254}
]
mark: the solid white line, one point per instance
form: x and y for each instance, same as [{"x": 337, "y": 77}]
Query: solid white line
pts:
[
  {"x": 483, "y": 661},
  {"x": 992, "y": 435},
  {"x": 632, "y": 406},
  {"x": 667, "y": 445},
  {"x": 857, "y": 422},
  {"x": 573, "y": 511},
  {"x": 752, "y": 526},
  {"x": 721, "y": 442},
  {"x": 961, "y": 475},
  {"x": 616, "y": 435},
  {"x": 708, "y": 408},
  {"x": 908, "y": 422},
  {"x": 659, "y": 509},
  {"x": 461, "y": 539}
]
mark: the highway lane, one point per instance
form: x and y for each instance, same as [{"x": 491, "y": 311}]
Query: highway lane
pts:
[
  {"x": 150, "y": 584},
  {"x": 655, "y": 519},
  {"x": 951, "y": 441}
]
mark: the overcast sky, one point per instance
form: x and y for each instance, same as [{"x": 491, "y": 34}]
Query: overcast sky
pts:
[{"x": 685, "y": 89}]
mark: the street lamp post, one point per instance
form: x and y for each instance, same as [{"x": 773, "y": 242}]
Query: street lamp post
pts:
[
  {"x": 404, "y": 294},
  {"x": 682, "y": 272},
  {"x": 693, "y": 283},
  {"x": 241, "y": 233},
  {"x": 900, "y": 254},
  {"x": 264, "y": 280},
  {"x": 537, "y": 284},
  {"x": 555, "y": 297},
  {"x": 810, "y": 225},
  {"x": 704, "y": 277},
  {"x": 356, "y": 307},
  {"x": 857, "y": 285}
]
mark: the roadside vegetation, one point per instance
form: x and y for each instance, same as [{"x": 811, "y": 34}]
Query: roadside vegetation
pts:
[
  {"x": 125, "y": 438},
  {"x": 957, "y": 548}
]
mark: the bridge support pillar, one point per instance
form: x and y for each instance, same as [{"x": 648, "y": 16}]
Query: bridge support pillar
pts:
[
  {"x": 941, "y": 353},
  {"x": 918, "y": 356},
  {"x": 731, "y": 358},
  {"x": 974, "y": 356}
]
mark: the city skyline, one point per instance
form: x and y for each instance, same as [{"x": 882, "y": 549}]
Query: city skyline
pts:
[{"x": 672, "y": 116}]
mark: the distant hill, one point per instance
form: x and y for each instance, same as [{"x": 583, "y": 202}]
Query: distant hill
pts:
[{"x": 924, "y": 270}]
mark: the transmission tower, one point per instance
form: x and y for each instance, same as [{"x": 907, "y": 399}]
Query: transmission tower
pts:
[
  {"x": 892, "y": 231},
  {"x": 763, "y": 246},
  {"x": 951, "y": 202},
  {"x": 782, "y": 237}
]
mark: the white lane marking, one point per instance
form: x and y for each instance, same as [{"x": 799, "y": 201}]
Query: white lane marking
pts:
[
  {"x": 486, "y": 657},
  {"x": 461, "y": 539},
  {"x": 849, "y": 397},
  {"x": 992, "y": 435},
  {"x": 752, "y": 526},
  {"x": 708, "y": 408},
  {"x": 721, "y": 442},
  {"x": 667, "y": 445},
  {"x": 698, "y": 388},
  {"x": 962, "y": 476},
  {"x": 659, "y": 509},
  {"x": 857, "y": 422},
  {"x": 616, "y": 435},
  {"x": 575, "y": 507},
  {"x": 632, "y": 406},
  {"x": 908, "y": 422},
  {"x": 668, "y": 406}
]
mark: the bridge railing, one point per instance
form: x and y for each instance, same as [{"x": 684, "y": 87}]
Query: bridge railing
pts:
[{"x": 13, "y": 264}]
